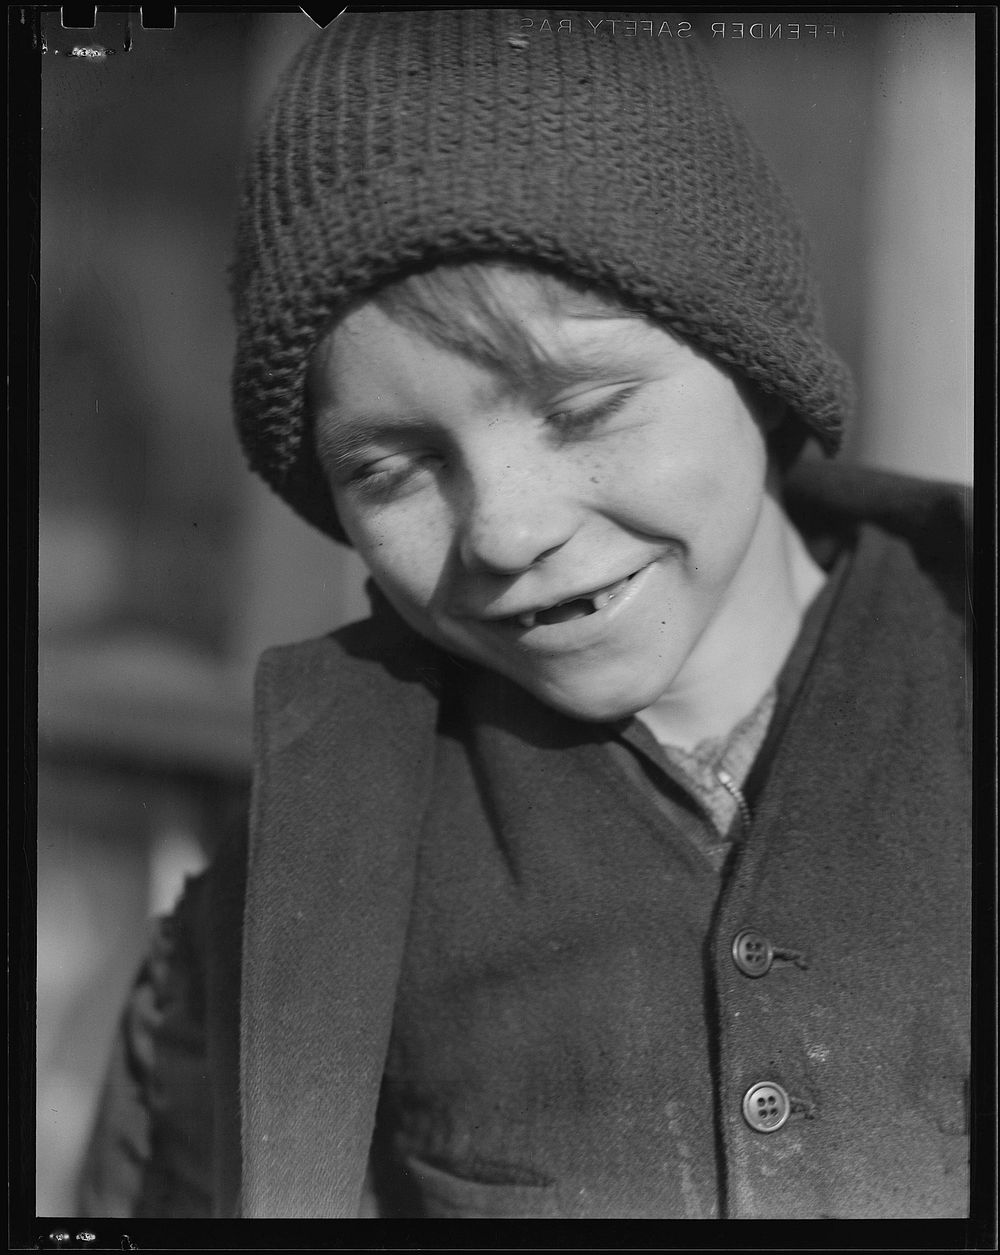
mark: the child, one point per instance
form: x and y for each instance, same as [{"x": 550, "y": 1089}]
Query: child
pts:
[{"x": 617, "y": 867}]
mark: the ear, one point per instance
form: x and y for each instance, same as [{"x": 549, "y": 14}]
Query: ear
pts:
[
  {"x": 768, "y": 410},
  {"x": 771, "y": 412}
]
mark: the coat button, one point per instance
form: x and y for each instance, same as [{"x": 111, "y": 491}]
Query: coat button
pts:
[
  {"x": 752, "y": 952},
  {"x": 766, "y": 1107}
]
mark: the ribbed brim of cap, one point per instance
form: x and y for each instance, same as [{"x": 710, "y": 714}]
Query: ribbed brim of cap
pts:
[{"x": 399, "y": 141}]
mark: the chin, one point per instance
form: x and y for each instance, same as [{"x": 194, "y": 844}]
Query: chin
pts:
[{"x": 598, "y": 703}]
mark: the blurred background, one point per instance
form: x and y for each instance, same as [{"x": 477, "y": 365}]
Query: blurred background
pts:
[{"x": 165, "y": 568}]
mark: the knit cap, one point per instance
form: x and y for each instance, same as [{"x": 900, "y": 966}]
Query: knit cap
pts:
[{"x": 400, "y": 140}]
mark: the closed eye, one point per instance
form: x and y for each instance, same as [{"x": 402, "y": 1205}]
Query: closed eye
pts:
[
  {"x": 572, "y": 423},
  {"x": 382, "y": 478}
]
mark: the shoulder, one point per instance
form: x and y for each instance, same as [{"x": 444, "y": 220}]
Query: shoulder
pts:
[
  {"x": 933, "y": 516},
  {"x": 927, "y": 523},
  {"x": 382, "y": 645},
  {"x": 371, "y": 673}
]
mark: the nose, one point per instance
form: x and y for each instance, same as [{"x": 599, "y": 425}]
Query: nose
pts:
[{"x": 513, "y": 516}]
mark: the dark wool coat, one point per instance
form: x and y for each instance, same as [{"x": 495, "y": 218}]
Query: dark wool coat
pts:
[{"x": 248, "y": 1072}]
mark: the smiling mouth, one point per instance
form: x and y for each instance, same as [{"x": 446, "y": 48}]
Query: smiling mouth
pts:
[{"x": 573, "y": 608}]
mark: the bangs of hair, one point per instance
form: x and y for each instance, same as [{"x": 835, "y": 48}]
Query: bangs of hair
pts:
[
  {"x": 478, "y": 310},
  {"x": 482, "y": 310}
]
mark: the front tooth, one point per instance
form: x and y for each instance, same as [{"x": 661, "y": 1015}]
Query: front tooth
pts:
[
  {"x": 602, "y": 598},
  {"x": 527, "y": 620}
]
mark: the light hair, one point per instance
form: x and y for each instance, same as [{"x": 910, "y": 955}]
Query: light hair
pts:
[{"x": 477, "y": 309}]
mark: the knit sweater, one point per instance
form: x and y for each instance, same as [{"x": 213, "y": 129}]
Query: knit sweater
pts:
[{"x": 855, "y": 870}]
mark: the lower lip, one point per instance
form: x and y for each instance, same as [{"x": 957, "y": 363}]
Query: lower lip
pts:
[{"x": 581, "y": 632}]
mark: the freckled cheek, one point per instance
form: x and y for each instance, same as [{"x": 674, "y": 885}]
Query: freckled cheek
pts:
[
  {"x": 406, "y": 551},
  {"x": 661, "y": 493},
  {"x": 710, "y": 511}
]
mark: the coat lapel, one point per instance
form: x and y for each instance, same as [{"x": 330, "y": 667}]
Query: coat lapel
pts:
[{"x": 344, "y": 758}]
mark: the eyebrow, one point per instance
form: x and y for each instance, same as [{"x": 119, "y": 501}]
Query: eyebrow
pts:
[
  {"x": 339, "y": 442},
  {"x": 596, "y": 366},
  {"x": 603, "y": 363}
]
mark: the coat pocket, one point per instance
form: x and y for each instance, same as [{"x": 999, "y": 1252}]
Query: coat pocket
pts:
[{"x": 443, "y": 1194}]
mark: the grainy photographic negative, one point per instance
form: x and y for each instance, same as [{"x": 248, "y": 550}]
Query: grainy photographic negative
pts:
[{"x": 504, "y": 733}]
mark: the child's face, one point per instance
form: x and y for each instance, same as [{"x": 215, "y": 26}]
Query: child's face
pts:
[{"x": 591, "y": 540}]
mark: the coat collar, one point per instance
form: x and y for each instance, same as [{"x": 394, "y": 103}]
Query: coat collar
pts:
[{"x": 344, "y": 754}]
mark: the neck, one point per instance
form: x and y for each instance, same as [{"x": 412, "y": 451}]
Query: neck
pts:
[{"x": 741, "y": 653}]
